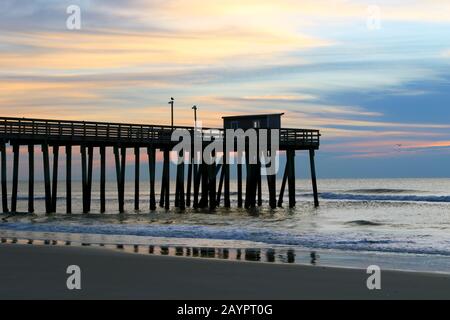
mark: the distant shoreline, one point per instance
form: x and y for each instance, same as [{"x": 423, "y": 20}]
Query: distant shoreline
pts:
[{"x": 39, "y": 272}]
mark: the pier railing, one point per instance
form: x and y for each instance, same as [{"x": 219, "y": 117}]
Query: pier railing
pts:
[{"x": 87, "y": 131}]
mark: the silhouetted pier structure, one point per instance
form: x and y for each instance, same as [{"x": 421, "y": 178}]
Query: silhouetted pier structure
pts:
[{"x": 202, "y": 189}]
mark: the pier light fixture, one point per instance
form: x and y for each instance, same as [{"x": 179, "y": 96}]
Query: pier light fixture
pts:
[
  {"x": 171, "y": 102},
  {"x": 195, "y": 115}
]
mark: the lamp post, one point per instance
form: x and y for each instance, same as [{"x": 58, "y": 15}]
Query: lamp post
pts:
[
  {"x": 172, "y": 100},
  {"x": 195, "y": 115}
]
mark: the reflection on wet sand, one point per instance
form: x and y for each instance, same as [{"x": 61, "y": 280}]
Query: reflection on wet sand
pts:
[
  {"x": 269, "y": 255},
  {"x": 314, "y": 256}
]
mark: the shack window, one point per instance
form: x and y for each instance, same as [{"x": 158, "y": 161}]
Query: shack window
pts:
[
  {"x": 234, "y": 124},
  {"x": 256, "y": 124}
]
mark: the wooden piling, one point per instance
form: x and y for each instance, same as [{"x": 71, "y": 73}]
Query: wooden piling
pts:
[
  {"x": 84, "y": 178},
  {"x": 219, "y": 189},
  {"x": 181, "y": 194},
  {"x": 253, "y": 184},
  {"x": 102, "y": 179},
  {"x": 259, "y": 182},
  {"x": 248, "y": 172},
  {"x": 89, "y": 177},
  {"x": 204, "y": 184},
  {"x": 313, "y": 177},
  {"x": 225, "y": 176},
  {"x": 4, "y": 178},
  {"x": 68, "y": 179},
  {"x": 55, "y": 177},
  {"x": 15, "y": 177},
  {"x": 197, "y": 180},
  {"x": 136, "y": 177},
  {"x": 239, "y": 184},
  {"x": 163, "y": 182},
  {"x": 212, "y": 186},
  {"x": 123, "y": 151},
  {"x": 151, "y": 163},
  {"x": 177, "y": 187},
  {"x": 291, "y": 177},
  {"x": 283, "y": 185},
  {"x": 189, "y": 178},
  {"x": 46, "y": 163},
  {"x": 167, "y": 179},
  {"x": 118, "y": 175},
  {"x": 271, "y": 184},
  {"x": 226, "y": 168},
  {"x": 30, "y": 178}
]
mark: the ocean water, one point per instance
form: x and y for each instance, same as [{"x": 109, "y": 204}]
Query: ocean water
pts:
[{"x": 401, "y": 223}]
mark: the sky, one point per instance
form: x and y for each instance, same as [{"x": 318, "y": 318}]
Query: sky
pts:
[{"x": 373, "y": 76}]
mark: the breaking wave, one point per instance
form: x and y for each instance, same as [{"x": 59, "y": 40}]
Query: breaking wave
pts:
[{"x": 383, "y": 197}]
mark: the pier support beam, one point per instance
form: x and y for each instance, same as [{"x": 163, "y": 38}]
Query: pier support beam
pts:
[
  {"x": 167, "y": 178},
  {"x": 47, "y": 187},
  {"x": 123, "y": 159},
  {"x": 4, "y": 178},
  {"x": 180, "y": 186},
  {"x": 30, "y": 178},
  {"x": 68, "y": 179},
  {"x": 271, "y": 182},
  {"x": 151, "y": 166},
  {"x": 313, "y": 177},
  {"x": 197, "y": 179},
  {"x": 15, "y": 177},
  {"x": 251, "y": 182},
  {"x": 226, "y": 195},
  {"x": 204, "y": 184},
  {"x": 102, "y": 179},
  {"x": 283, "y": 185},
  {"x": 189, "y": 178},
  {"x": 259, "y": 182},
  {"x": 55, "y": 177},
  {"x": 118, "y": 175},
  {"x": 291, "y": 177},
  {"x": 212, "y": 186},
  {"x": 165, "y": 183},
  {"x": 137, "y": 164},
  {"x": 84, "y": 177},
  {"x": 219, "y": 189},
  {"x": 86, "y": 172},
  {"x": 89, "y": 180},
  {"x": 239, "y": 184},
  {"x": 248, "y": 180},
  {"x": 226, "y": 174}
]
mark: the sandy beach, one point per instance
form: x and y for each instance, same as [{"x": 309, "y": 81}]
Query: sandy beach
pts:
[{"x": 39, "y": 272}]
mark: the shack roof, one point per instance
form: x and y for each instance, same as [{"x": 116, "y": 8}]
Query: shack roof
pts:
[{"x": 253, "y": 115}]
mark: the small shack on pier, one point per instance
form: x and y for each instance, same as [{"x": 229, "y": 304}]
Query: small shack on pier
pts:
[{"x": 255, "y": 121}]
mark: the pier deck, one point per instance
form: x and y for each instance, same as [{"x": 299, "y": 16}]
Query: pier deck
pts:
[{"x": 65, "y": 132}]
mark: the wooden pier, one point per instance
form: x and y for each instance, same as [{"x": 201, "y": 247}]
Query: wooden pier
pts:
[{"x": 200, "y": 187}]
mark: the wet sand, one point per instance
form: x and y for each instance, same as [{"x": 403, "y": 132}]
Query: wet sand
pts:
[{"x": 39, "y": 272}]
